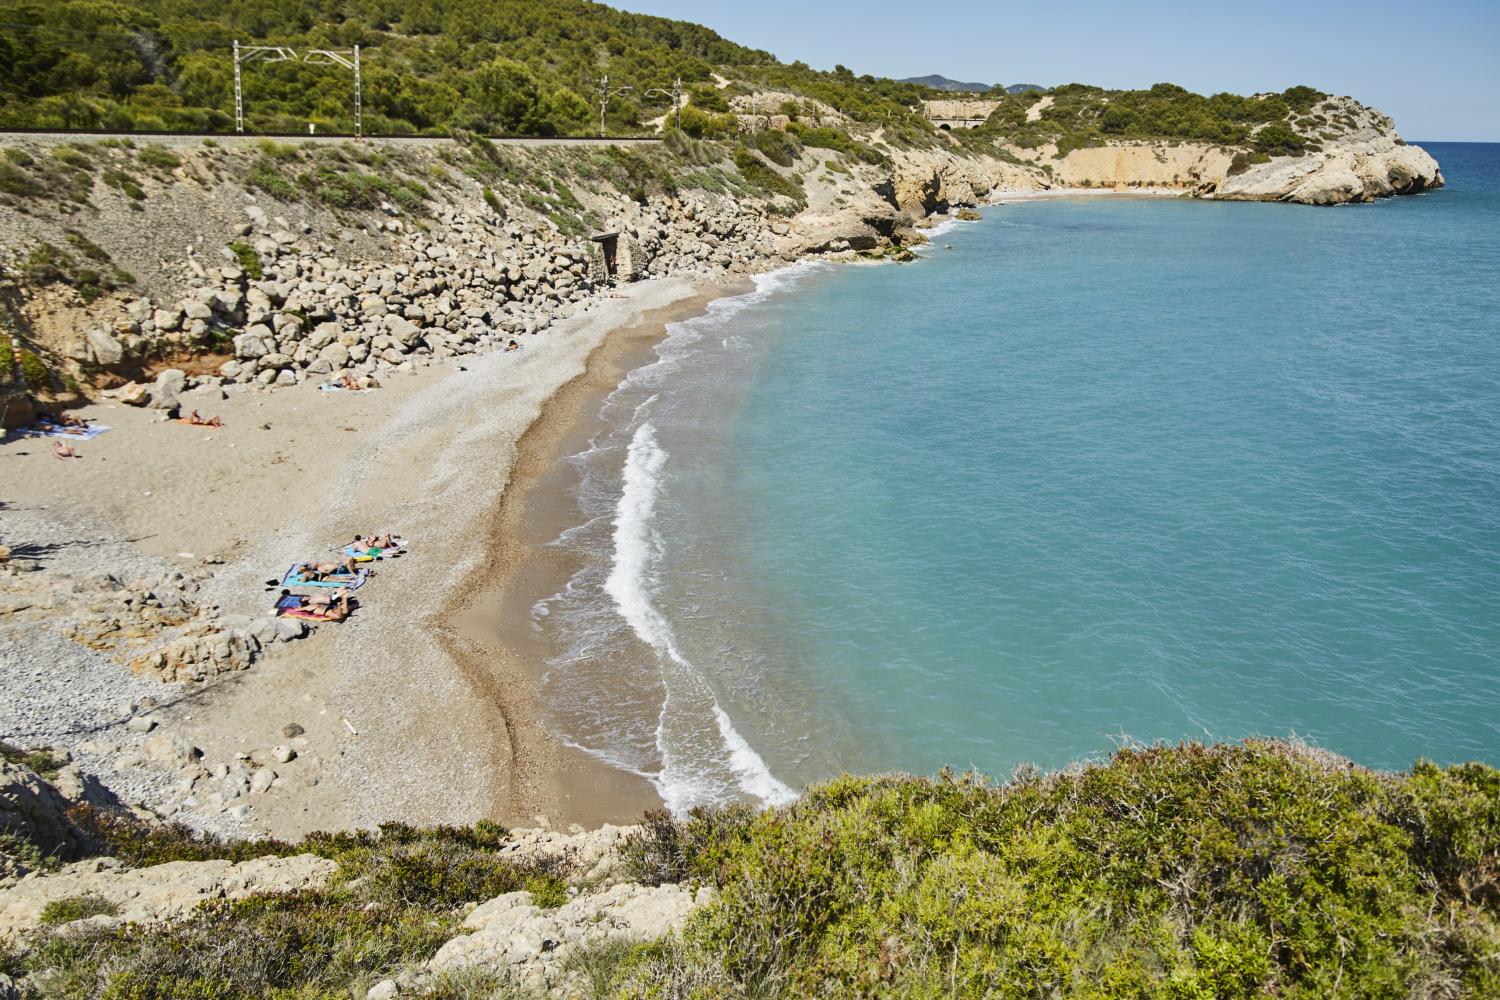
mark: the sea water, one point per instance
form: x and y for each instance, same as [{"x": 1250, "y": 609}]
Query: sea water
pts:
[{"x": 1092, "y": 471}]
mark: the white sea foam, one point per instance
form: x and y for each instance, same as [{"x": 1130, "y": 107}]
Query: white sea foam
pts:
[
  {"x": 685, "y": 744},
  {"x": 632, "y": 583}
]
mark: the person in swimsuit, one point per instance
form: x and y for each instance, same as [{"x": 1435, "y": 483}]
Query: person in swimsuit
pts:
[
  {"x": 323, "y": 570},
  {"x": 62, "y": 450},
  {"x": 200, "y": 421}
]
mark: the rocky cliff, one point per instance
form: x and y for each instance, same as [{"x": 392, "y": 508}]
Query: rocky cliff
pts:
[{"x": 1353, "y": 154}]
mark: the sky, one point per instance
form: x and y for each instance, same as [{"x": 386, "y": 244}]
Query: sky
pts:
[{"x": 1433, "y": 66}]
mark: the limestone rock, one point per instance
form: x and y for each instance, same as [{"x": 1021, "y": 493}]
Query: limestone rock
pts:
[
  {"x": 169, "y": 386},
  {"x": 134, "y": 394},
  {"x": 32, "y": 809},
  {"x": 162, "y": 892},
  {"x": 510, "y": 936},
  {"x": 171, "y": 750},
  {"x": 104, "y": 348}
]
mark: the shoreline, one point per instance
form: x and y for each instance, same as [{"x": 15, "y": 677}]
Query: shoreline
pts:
[
  {"x": 417, "y": 709},
  {"x": 493, "y": 625}
]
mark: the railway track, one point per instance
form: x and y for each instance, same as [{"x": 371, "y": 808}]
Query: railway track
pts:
[{"x": 233, "y": 138}]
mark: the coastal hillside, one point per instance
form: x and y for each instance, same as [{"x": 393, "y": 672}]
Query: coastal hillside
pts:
[
  {"x": 502, "y": 66},
  {"x": 1262, "y": 869}
]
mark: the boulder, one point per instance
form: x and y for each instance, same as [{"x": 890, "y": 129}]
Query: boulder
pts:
[
  {"x": 171, "y": 750},
  {"x": 252, "y": 343},
  {"x": 336, "y": 354},
  {"x": 169, "y": 386},
  {"x": 134, "y": 394},
  {"x": 407, "y": 332},
  {"x": 104, "y": 348},
  {"x": 34, "y": 811},
  {"x": 324, "y": 334}
]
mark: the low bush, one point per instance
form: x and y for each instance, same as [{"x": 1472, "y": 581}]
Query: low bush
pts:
[
  {"x": 779, "y": 147},
  {"x": 249, "y": 259},
  {"x": 707, "y": 125},
  {"x": 43, "y": 762},
  {"x": 763, "y": 179},
  {"x": 1228, "y": 871},
  {"x": 159, "y": 157},
  {"x": 71, "y": 908},
  {"x": 265, "y": 175}
]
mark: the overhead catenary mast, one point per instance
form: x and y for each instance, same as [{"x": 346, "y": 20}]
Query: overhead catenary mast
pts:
[
  {"x": 604, "y": 95},
  {"x": 252, "y": 53},
  {"x": 347, "y": 58}
]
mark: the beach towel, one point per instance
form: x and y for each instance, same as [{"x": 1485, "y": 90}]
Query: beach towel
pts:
[
  {"x": 364, "y": 555},
  {"x": 292, "y": 607},
  {"x": 46, "y": 429},
  {"x": 336, "y": 580},
  {"x": 309, "y": 615}
]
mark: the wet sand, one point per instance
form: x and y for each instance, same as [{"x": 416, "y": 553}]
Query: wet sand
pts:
[{"x": 490, "y": 631}]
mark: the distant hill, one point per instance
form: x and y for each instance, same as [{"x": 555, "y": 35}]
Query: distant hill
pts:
[{"x": 943, "y": 83}]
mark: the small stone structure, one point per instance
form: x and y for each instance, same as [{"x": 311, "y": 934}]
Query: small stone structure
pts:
[
  {"x": 949, "y": 115},
  {"x": 615, "y": 257}
]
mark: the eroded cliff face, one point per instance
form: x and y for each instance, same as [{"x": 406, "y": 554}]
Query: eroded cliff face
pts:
[
  {"x": 1360, "y": 157},
  {"x": 1378, "y": 168}
]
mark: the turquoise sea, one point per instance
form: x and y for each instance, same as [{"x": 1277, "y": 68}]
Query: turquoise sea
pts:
[{"x": 1092, "y": 470}]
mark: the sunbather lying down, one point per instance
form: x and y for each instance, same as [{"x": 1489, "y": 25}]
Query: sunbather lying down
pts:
[
  {"x": 324, "y": 570},
  {"x": 64, "y": 451},
  {"x": 377, "y": 542},
  {"x": 197, "y": 420},
  {"x": 330, "y": 606}
]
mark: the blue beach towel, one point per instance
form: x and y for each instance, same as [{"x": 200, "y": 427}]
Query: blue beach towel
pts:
[
  {"x": 44, "y": 429},
  {"x": 338, "y": 580}
]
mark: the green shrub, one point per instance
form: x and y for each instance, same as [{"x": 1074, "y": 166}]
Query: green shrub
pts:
[
  {"x": 265, "y": 175},
  {"x": 248, "y": 258},
  {"x": 764, "y": 179},
  {"x": 43, "y": 762},
  {"x": 280, "y": 152},
  {"x": 1278, "y": 140},
  {"x": 707, "y": 125},
  {"x": 17, "y": 182},
  {"x": 18, "y": 156},
  {"x": 71, "y": 908},
  {"x": 34, "y": 371},
  {"x": 125, "y": 183},
  {"x": 493, "y": 202},
  {"x": 1227, "y": 871},
  {"x": 159, "y": 157},
  {"x": 778, "y": 147},
  {"x": 72, "y": 157}
]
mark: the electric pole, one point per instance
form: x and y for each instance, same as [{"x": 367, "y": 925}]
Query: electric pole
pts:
[
  {"x": 604, "y": 96},
  {"x": 349, "y": 59},
  {"x": 676, "y": 95},
  {"x": 248, "y": 54}
]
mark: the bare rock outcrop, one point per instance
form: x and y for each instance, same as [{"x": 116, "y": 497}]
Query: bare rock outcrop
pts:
[
  {"x": 512, "y": 936},
  {"x": 1354, "y": 155},
  {"x": 32, "y": 810},
  {"x": 1377, "y": 168},
  {"x": 161, "y": 892},
  {"x": 924, "y": 181}
]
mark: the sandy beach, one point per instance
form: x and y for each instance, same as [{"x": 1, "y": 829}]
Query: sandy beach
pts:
[{"x": 419, "y": 708}]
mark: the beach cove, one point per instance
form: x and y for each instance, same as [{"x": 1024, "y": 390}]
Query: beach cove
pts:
[
  {"x": 411, "y": 700},
  {"x": 1104, "y": 471}
]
